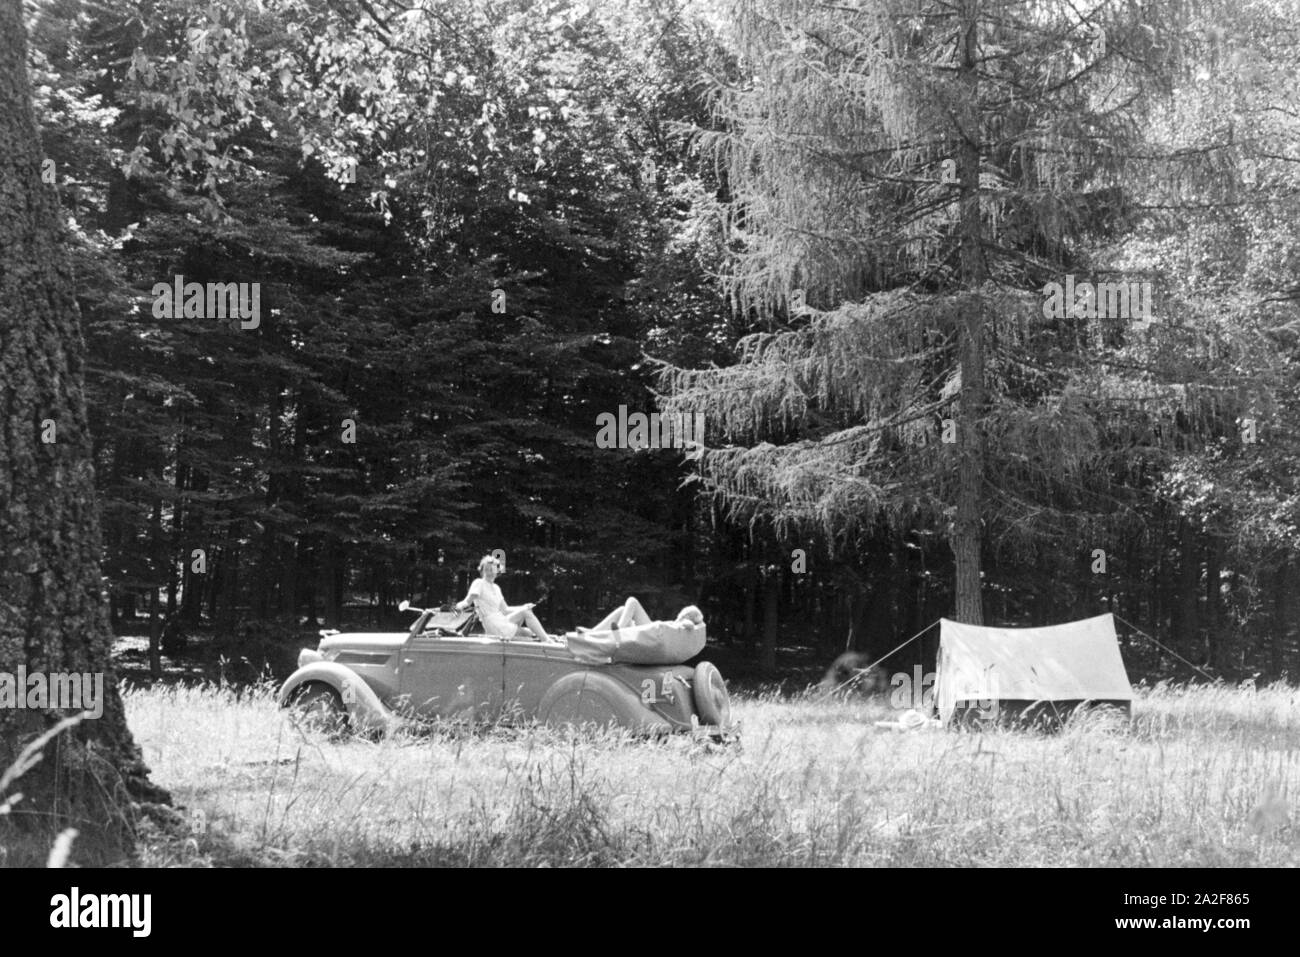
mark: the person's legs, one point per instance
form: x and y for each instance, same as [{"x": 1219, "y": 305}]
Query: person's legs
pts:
[
  {"x": 628, "y": 613},
  {"x": 535, "y": 626},
  {"x": 503, "y": 626},
  {"x": 633, "y": 614},
  {"x": 614, "y": 618},
  {"x": 525, "y": 617}
]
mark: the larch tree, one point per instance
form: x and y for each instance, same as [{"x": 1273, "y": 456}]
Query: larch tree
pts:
[
  {"x": 52, "y": 609},
  {"x": 906, "y": 178}
]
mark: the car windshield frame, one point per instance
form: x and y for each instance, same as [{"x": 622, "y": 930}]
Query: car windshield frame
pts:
[{"x": 448, "y": 624}]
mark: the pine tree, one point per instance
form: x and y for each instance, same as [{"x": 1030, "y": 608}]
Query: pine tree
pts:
[{"x": 906, "y": 178}]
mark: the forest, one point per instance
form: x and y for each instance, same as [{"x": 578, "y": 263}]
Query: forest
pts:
[{"x": 992, "y": 322}]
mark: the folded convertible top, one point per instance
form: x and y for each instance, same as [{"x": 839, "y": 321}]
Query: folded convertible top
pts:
[{"x": 658, "y": 643}]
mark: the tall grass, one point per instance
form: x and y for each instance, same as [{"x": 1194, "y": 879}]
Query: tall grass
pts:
[
  {"x": 59, "y": 842},
  {"x": 812, "y": 782}
]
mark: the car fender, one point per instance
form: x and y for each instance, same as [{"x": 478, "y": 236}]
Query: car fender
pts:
[
  {"x": 364, "y": 707},
  {"x": 591, "y": 696}
]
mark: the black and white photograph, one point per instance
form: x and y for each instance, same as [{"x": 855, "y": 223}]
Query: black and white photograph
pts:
[{"x": 651, "y": 434}]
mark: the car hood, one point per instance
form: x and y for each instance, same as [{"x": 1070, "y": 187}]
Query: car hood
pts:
[{"x": 368, "y": 640}]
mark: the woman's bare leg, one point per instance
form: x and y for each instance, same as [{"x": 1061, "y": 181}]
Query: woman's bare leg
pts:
[
  {"x": 529, "y": 620},
  {"x": 633, "y": 614},
  {"x": 609, "y": 621},
  {"x": 628, "y": 613}
]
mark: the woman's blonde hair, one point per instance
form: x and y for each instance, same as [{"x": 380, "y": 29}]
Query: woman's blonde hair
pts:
[{"x": 485, "y": 560}]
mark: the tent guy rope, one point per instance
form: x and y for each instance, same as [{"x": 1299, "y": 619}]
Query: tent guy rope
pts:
[
  {"x": 859, "y": 672},
  {"x": 1163, "y": 648}
]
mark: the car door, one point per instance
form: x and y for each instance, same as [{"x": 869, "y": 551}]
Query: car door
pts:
[
  {"x": 530, "y": 669},
  {"x": 452, "y": 677}
]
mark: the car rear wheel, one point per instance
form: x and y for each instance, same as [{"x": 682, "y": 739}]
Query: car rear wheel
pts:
[
  {"x": 319, "y": 707},
  {"x": 712, "y": 702},
  {"x": 577, "y": 700}
]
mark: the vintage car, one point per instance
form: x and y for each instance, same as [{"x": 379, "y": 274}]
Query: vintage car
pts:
[{"x": 444, "y": 666}]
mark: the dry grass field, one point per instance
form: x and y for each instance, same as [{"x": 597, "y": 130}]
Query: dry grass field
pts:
[{"x": 1202, "y": 776}]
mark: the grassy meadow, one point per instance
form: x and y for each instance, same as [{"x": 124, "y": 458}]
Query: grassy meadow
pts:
[{"x": 1202, "y": 776}]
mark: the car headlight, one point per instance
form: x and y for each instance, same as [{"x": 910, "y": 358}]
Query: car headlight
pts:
[{"x": 307, "y": 656}]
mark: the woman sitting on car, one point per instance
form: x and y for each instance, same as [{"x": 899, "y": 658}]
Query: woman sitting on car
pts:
[{"x": 497, "y": 617}]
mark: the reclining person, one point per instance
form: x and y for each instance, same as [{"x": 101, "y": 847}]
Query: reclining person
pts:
[
  {"x": 497, "y": 617},
  {"x": 630, "y": 613},
  {"x": 629, "y": 635}
]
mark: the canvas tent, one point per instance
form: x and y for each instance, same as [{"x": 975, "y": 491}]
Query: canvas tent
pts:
[{"x": 1009, "y": 670}]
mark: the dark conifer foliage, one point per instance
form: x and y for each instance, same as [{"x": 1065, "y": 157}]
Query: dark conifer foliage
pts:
[{"x": 477, "y": 227}]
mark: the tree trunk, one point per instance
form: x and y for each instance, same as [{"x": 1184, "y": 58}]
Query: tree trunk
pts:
[
  {"x": 261, "y": 599},
  {"x": 1189, "y": 579},
  {"x": 309, "y": 578},
  {"x": 1281, "y": 620},
  {"x": 229, "y": 611},
  {"x": 191, "y": 533},
  {"x": 157, "y": 562},
  {"x": 1213, "y": 600},
  {"x": 155, "y": 635},
  {"x": 336, "y": 579},
  {"x": 771, "y": 608},
  {"x": 967, "y": 533},
  {"x": 214, "y": 581},
  {"x": 52, "y": 611},
  {"x": 878, "y": 620},
  {"x": 688, "y": 555},
  {"x": 289, "y": 580},
  {"x": 747, "y": 637},
  {"x": 852, "y": 605},
  {"x": 171, "y": 587}
]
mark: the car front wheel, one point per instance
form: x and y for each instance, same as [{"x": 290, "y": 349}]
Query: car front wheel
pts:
[{"x": 319, "y": 707}]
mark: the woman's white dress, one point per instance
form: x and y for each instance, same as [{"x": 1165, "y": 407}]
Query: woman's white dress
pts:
[{"x": 491, "y": 606}]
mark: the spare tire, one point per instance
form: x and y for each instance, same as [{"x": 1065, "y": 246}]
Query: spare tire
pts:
[{"x": 712, "y": 702}]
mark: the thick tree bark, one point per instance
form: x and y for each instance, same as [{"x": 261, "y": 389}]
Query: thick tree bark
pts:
[{"x": 52, "y": 602}]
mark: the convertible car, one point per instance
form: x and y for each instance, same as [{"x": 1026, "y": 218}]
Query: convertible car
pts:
[{"x": 445, "y": 666}]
